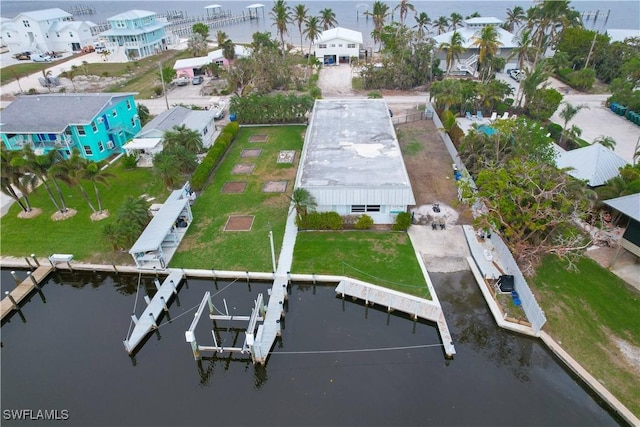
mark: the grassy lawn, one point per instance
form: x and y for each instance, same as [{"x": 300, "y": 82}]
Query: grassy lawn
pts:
[
  {"x": 206, "y": 244},
  {"x": 382, "y": 258},
  {"x": 588, "y": 311},
  {"x": 77, "y": 235}
]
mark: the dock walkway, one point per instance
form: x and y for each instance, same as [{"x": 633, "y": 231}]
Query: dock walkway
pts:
[{"x": 23, "y": 289}]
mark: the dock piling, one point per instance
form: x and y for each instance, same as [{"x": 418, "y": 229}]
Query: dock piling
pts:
[
  {"x": 33, "y": 279},
  {"x": 13, "y": 301},
  {"x": 28, "y": 262},
  {"x": 15, "y": 277},
  {"x": 35, "y": 260},
  {"x": 164, "y": 304},
  {"x": 154, "y": 325}
]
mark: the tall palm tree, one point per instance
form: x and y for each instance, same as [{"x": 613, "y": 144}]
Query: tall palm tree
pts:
[
  {"x": 39, "y": 166},
  {"x": 328, "y": 18},
  {"x": 567, "y": 114},
  {"x": 447, "y": 92},
  {"x": 454, "y": 49},
  {"x": 487, "y": 43},
  {"x": 229, "y": 51},
  {"x": 514, "y": 19},
  {"x": 197, "y": 44},
  {"x": 300, "y": 13},
  {"x": 441, "y": 24},
  {"x": 404, "y": 6},
  {"x": 455, "y": 19},
  {"x": 379, "y": 14},
  {"x": 606, "y": 141},
  {"x": 181, "y": 135},
  {"x": 534, "y": 78},
  {"x": 312, "y": 30},
  {"x": 72, "y": 171},
  {"x": 524, "y": 49},
  {"x": 422, "y": 24},
  {"x": 281, "y": 15},
  {"x": 166, "y": 167},
  {"x": 10, "y": 178},
  {"x": 221, "y": 37},
  {"x": 96, "y": 175},
  {"x": 302, "y": 201}
]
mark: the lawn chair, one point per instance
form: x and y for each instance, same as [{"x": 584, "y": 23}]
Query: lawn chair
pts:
[
  {"x": 505, "y": 115},
  {"x": 479, "y": 115},
  {"x": 494, "y": 116},
  {"x": 468, "y": 116}
]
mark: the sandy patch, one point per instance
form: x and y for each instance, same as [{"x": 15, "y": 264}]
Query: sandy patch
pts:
[
  {"x": 99, "y": 216},
  {"x": 34, "y": 212},
  {"x": 61, "y": 216}
]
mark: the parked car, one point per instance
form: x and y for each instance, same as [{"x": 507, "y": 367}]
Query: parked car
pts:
[
  {"x": 22, "y": 56},
  {"x": 181, "y": 81},
  {"x": 516, "y": 74},
  {"x": 41, "y": 58},
  {"x": 197, "y": 80}
]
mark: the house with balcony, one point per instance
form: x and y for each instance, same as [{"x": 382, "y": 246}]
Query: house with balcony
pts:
[
  {"x": 45, "y": 31},
  {"x": 97, "y": 125},
  {"x": 467, "y": 64},
  {"x": 136, "y": 32},
  {"x": 337, "y": 46}
]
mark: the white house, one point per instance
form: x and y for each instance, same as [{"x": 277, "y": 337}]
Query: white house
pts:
[
  {"x": 45, "y": 31},
  {"x": 338, "y": 45},
  {"x": 351, "y": 161},
  {"x": 190, "y": 67},
  {"x": 470, "y": 31}
]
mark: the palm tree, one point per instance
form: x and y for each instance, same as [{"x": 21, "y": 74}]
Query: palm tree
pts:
[
  {"x": 328, "y": 18},
  {"x": 528, "y": 86},
  {"x": 454, "y": 49},
  {"x": 312, "y": 31},
  {"x": 487, "y": 43},
  {"x": 96, "y": 175},
  {"x": 515, "y": 17},
  {"x": 197, "y": 44},
  {"x": 302, "y": 201},
  {"x": 11, "y": 178},
  {"x": 221, "y": 37},
  {"x": 379, "y": 15},
  {"x": 567, "y": 114},
  {"x": 441, "y": 24},
  {"x": 300, "y": 16},
  {"x": 422, "y": 24},
  {"x": 184, "y": 137},
  {"x": 72, "y": 171},
  {"x": 229, "y": 51},
  {"x": 166, "y": 167},
  {"x": 281, "y": 15},
  {"x": 39, "y": 166},
  {"x": 605, "y": 141},
  {"x": 524, "y": 49},
  {"x": 446, "y": 92},
  {"x": 404, "y": 7},
  {"x": 455, "y": 19},
  {"x": 143, "y": 113}
]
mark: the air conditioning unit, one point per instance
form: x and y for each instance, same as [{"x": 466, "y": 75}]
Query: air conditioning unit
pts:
[
  {"x": 100, "y": 120},
  {"x": 110, "y": 145}
]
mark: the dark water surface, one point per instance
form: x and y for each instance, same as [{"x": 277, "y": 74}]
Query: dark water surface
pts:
[{"x": 69, "y": 355}]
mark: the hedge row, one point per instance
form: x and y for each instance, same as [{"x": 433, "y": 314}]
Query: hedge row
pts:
[
  {"x": 333, "y": 221},
  {"x": 215, "y": 153}
]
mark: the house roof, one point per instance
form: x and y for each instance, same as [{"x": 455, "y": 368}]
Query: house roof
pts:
[
  {"x": 160, "y": 225},
  {"x": 628, "y": 205},
  {"x": 52, "y": 113},
  {"x": 619, "y": 35},
  {"x": 192, "y": 119},
  {"x": 61, "y": 25},
  {"x": 483, "y": 20},
  {"x": 212, "y": 56},
  {"x": 142, "y": 143},
  {"x": 594, "y": 164},
  {"x": 132, "y": 14},
  {"x": 340, "y": 33},
  {"x": 46, "y": 14},
  {"x": 505, "y": 37},
  {"x": 351, "y": 155}
]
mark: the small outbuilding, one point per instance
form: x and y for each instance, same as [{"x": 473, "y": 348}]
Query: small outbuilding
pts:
[
  {"x": 351, "y": 161},
  {"x": 629, "y": 207}
]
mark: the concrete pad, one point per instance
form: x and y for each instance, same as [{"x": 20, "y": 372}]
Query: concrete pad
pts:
[{"x": 442, "y": 251}]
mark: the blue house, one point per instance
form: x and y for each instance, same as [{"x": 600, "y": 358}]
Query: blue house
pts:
[
  {"x": 95, "y": 124},
  {"x": 137, "y": 32}
]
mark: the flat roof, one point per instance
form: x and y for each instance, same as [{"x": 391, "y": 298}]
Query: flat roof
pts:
[
  {"x": 351, "y": 155},
  {"x": 159, "y": 227}
]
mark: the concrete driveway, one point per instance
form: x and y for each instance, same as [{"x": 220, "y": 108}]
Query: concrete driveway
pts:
[{"x": 335, "y": 80}]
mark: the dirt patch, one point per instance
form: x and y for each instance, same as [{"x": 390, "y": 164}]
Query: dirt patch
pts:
[
  {"x": 251, "y": 152},
  {"x": 275, "y": 186},
  {"x": 258, "y": 138},
  {"x": 99, "y": 216},
  {"x": 243, "y": 168},
  {"x": 234, "y": 187},
  {"x": 61, "y": 216},
  {"x": 239, "y": 223},
  {"x": 34, "y": 212}
]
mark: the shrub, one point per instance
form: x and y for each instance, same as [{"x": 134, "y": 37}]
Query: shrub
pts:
[
  {"x": 215, "y": 153},
  {"x": 157, "y": 90},
  {"x": 374, "y": 95},
  {"x": 315, "y": 92},
  {"x": 232, "y": 128},
  {"x": 502, "y": 108},
  {"x": 403, "y": 221},
  {"x": 456, "y": 134},
  {"x": 555, "y": 130},
  {"x": 129, "y": 161},
  {"x": 582, "y": 79},
  {"x": 509, "y": 101},
  {"x": 320, "y": 221},
  {"x": 365, "y": 222}
]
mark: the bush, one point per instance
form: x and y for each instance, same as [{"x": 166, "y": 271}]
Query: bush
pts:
[
  {"x": 129, "y": 161},
  {"x": 555, "y": 130},
  {"x": 157, "y": 90},
  {"x": 403, "y": 221},
  {"x": 215, "y": 153},
  {"x": 315, "y": 92},
  {"x": 582, "y": 79},
  {"x": 320, "y": 221},
  {"x": 502, "y": 108},
  {"x": 509, "y": 101},
  {"x": 365, "y": 222},
  {"x": 456, "y": 134},
  {"x": 232, "y": 128},
  {"x": 374, "y": 95}
]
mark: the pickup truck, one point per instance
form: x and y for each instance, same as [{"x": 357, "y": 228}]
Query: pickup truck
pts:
[{"x": 181, "y": 81}]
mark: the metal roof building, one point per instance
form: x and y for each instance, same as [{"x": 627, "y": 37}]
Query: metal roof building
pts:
[
  {"x": 594, "y": 164},
  {"x": 351, "y": 161}
]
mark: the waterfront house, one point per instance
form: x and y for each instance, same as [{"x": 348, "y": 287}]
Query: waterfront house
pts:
[
  {"x": 96, "y": 124},
  {"x": 468, "y": 62},
  {"x": 337, "y": 46},
  {"x": 351, "y": 160},
  {"x": 137, "y": 32},
  {"x": 190, "y": 67},
  {"x": 45, "y": 30}
]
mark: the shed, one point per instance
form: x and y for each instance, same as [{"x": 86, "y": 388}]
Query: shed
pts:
[{"x": 630, "y": 207}]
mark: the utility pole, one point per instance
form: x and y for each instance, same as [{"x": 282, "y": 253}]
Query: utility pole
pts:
[
  {"x": 593, "y": 43},
  {"x": 164, "y": 89}
]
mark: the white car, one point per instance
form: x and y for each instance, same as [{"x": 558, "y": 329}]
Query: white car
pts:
[
  {"x": 41, "y": 58},
  {"x": 516, "y": 74},
  {"x": 181, "y": 81}
]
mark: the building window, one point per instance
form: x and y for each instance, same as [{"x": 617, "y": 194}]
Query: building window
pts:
[
  {"x": 365, "y": 208},
  {"x": 351, "y": 46},
  {"x": 333, "y": 45},
  {"x": 322, "y": 46},
  {"x": 81, "y": 130},
  {"x": 114, "y": 113},
  {"x": 100, "y": 146},
  {"x": 94, "y": 126},
  {"x": 87, "y": 150},
  {"x": 8, "y": 35},
  {"x": 205, "y": 130},
  {"x": 128, "y": 104},
  {"x": 57, "y": 34},
  {"x": 26, "y": 23},
  {"x": 340, "y": 45},
  {"x": 133, "y": 122}
]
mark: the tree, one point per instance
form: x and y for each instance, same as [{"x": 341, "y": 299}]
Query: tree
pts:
[
  {"x": 181, "y": 135},
  {"x": 567, "y": 114},
  {"x": 529, "y": 85},
  {"x": 328, "y": 18},
  {"x": 202, "y": 29},
  {"x": 96, "y": 175},
  {"x": 12, "y": 180},
  {"x": 422, "y": 24},
  {"x": 515, "y": 17},
  {"x": 441, "y": 24},
  {"x": 281, "y": 15},
  {"x": 166, "y": 167},
  {"x": 312, "y": 31},
  {"x": 300, "y": 13},
  {"x": 454, "y": 49},
  {"x": 197, "y": 44},
  {"x": 404, "y": 6},
  {"x": 455, "y": 19},
  {"x": 221, "y": 37},
  {"x": 487, "y": 43},
  {"x": 303, "y": 201},
  {"x": 446, "y": 92},
  {"x": 229, "y": 51},
  {"x": 132, "y": 217},
  {"x": 72, "y": 171},
  {"x": 625, "y": 184},
  {"x": 379, "y": 15},
  {"x": 167, "y": 74},
  {"x": 39, "y": 165},
  {"x": 524, "y": 49},
  {"x": 143, "y": 113},
  {"x": 543, "y": 103},
  {"x": 605, "y": 141}
]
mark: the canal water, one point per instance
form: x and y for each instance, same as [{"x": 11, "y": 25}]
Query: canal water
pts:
[{"x": 65, "y": 353}]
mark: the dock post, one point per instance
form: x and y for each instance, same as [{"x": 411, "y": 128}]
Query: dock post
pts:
[
  {"x": 288, "y": 278},
  {"x": 13, "y": 301},
  {"x": 69, "y": 265},
  {"x": 195, "y": 349},
  {"x": 164, "y": 304},
  {"x": 173, "y": 287},
  {"x": 28, "y": 262},
  {"x": 247, "y": 277},
  {"x": 215, "y": 278},
  {"x": 284, "y": 288},
  {"x": 115, "y": 269},
  {"x": 281, "y": 308},
  {"x": 211, "y": 309},
  {"x": 153, "y": 321},
  {"x": 35, "y": 260},
  {"x": 33, "y": 279},
  {"x": 15, "y": 277}
]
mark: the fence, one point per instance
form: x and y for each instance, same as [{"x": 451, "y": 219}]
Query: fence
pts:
[
  {"x": 409, "y": 118},
  {"x": 534, "y": 313}
]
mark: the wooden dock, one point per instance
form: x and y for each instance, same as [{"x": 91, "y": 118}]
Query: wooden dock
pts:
[
  {"x": 24, "y": 289},
  {"x": 393, "y": 300},
  {"x": 147, "y": 321}
]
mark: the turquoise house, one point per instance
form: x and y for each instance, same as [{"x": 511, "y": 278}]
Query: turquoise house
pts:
[
  {"x": 137, "y": 32},
  {"x": 97, "y": 125}
]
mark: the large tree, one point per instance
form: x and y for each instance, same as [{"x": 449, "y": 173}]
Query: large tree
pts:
[
  {"x": 514, "y": 19},
  {"x": 312, "y": 30},
  {"x": 441, "y": 24},
  {"x": 422, "y": 24},
  {"x": 328, "y": 18},
  {"x": 181, "y": 135},
  {"x": 202, "y": 29},
  {"x": 404, "y": 6},
  {"x": 300, "y": 15},
  {"x": 379, "y": 14},
  {"x": 454, "y": 48},
  {"x": 197, "y": 44},
  {"x": 488, "y": 43},
  {"x": 14, "y": 182},
  {"x": 281, "y": 16}
]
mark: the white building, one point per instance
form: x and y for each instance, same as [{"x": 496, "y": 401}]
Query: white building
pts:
[
  {"x": 337, "y": 46},
  {"x": 45, "y": 31},
  {"x": 351, "y": 161}
]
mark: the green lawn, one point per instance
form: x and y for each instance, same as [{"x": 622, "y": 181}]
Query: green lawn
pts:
[
  {"x": 382, "y": 258},
  {"x": 206, "y": 244},
  {"x": 585, "y": 311},
  {"x": 77, "y": 235}
]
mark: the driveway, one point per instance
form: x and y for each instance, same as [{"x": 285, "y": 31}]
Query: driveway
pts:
[{"x": 335, "y": 81}]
